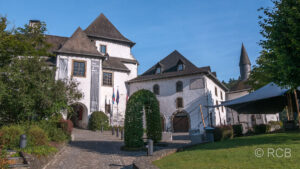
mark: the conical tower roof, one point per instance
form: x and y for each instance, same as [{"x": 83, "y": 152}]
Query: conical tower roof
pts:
[
  {"x": 244, "y": 59},
  {"x": 80, "y": 44}
]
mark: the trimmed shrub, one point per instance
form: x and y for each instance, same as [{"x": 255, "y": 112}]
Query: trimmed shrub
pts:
[
  {"x": 53, "y": 130},
  {"x": 97, "y": 120},
  {"x": 58, "y": 135},
  {"x": 139, "y": 101},
  {"x": 261, "y": 129},
  {"x": 67, "y": 126},
  {"x": 11, "y": 136},
  {"x": 37, "y": 136},
  {"x": 223, "y": 133},
  {"x": 275, "y": 125},
  {"x": 237, "y": 130}
]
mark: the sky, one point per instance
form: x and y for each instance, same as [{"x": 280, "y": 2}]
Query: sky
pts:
[{"x": 208, "y": 33}]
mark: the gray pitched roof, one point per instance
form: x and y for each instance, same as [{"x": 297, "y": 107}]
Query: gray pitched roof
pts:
[
  {"x": 79, "y": 44},
  {"x": 169, "y": 70},
  {"x": 56, "y": 42},
  {"x": 101, "y": 27},
  {"x": 244, "y": 59},
  {"x": 169, "y": 64},
  {"x": 113, "y": 63},
  {"x": 240, "y": 85}
]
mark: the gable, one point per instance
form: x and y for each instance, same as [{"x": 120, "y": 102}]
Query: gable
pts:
[
  {"x": 79, "y": 44},
  {"x": 101, "y": 27}
]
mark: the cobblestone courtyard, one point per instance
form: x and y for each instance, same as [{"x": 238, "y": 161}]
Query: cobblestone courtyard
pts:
[{"x": 91, "y": 150}]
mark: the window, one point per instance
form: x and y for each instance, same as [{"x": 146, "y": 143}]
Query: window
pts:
[
  {"x": 103, "y": 49},
  {"x": 107, "y": 79},
  {"x": 221, "y": 93},
  {"x": 179, "y": 102},
  {"x": 222, "y": 108},
  {"x": 156, "y": 89},
  {"x": 216, "y": 91},
  {"x": 79, "y": 68},
  {"x": 180, "y": 67},
  {"x": 107, "y": 108},
  {"x": 217, "y": 105},
  {"x": 158, "y": 70},
  {"x": 179, "y": 86}
]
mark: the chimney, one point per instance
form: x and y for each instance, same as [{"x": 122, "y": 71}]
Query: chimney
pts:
[{"x": 34, "y": 23}]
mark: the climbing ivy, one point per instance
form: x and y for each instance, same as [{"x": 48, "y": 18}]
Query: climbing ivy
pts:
[{"x": 137, "y": 103}]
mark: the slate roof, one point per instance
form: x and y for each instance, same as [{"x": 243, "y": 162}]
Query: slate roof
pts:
[
  {"x": 79, "y": 44},
  {"x": 240, "y": 85},
  {"x": 169, "y": 64},
  {"x": 55, "y": 41},
  {"x": 113, "y": 63},
  {"x": 101, "y": 27},
  {"x": 169, "y": 70},
  {"x": 244, "y": 59}
]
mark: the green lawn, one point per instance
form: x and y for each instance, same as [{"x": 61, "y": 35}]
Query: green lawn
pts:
[{"x": 238, "y": 153}]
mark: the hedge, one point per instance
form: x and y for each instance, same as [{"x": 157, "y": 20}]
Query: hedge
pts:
[
  {"x": 10, "y": 136},
  {"x": 261, "y": 128},
  {"x": 139, "y": 101},
  {"x": 223, "y": 133},
  {"x": 37, "y": 136},
  {"x": 97, "y": 120},
  {"x": 237, "y": 130}
]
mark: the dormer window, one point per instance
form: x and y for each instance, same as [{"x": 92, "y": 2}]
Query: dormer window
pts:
[
  {"x": 158, "y": 70},
  {"x": 180, "y": 66},
  {"x": 103, "y": 49}
]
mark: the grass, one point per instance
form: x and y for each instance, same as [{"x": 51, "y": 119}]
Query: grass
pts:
[
  {"x": 238, "y": 153},
  {"x": 39, "y": 150}
]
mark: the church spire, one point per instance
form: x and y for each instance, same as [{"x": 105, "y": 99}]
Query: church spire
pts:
[
  {"x": 244, "y": 59},
  {"x": 245, "y": 65}
]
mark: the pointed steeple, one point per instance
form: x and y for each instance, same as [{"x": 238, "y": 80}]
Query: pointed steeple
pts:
[
  {"x": 245, "y": 65},
  {"x": 101, "y": 27},
  {"x": 80, "y": 44},
  {"x": 244, "y": 59}
]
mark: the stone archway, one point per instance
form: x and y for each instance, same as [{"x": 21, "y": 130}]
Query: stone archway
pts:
[
  {"x": 79, "y": 115},
  {"x": 181, "y": 121}
]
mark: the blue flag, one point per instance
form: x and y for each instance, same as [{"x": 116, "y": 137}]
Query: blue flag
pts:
[
  {"x": 113, "y": 97},
  {"x": 118, "y": 97}
]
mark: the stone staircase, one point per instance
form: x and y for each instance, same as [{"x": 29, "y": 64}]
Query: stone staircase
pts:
[{"x": 16, "y": 160}]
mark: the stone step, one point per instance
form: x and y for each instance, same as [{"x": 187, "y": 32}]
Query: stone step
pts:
[
  {"x": 19, "y": 166},
  {"x": 15, "y": 160}
]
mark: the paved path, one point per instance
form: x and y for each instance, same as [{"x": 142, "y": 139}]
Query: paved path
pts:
[{"x": 91, "y": 150}]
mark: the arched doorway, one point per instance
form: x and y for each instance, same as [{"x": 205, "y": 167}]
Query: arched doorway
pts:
[
  {"x": 79, "y": 115},
  {"x": 181, "y": 122},
  {"x": 162, "y": 119}
]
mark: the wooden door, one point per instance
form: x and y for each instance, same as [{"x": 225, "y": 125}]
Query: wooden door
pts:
[{"x": 180, "y": 124}]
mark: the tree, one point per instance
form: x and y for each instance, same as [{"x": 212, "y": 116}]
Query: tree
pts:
[
  {"x": 27, "y": 41},
  {"x": 280, "y": 58},
  {"x": 28, "y": 89},
  {"x": 231, "y": 82}
]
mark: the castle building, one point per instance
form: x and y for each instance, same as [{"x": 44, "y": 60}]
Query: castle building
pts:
[
  {"x": 98, "y": 58},
  {"x": 181, "y": 88},
  {"x": 241, "y": 88}
]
